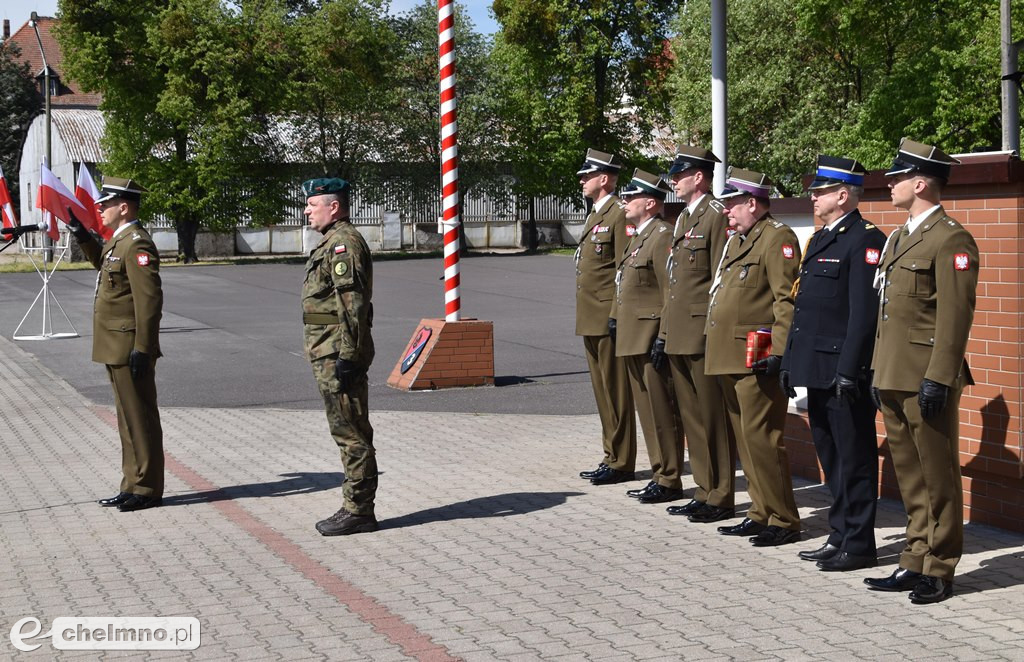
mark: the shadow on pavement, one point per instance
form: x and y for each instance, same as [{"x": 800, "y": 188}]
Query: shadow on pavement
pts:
[
  {"x": 499, "y": 505},
  {"x": 294, "y": 483}
]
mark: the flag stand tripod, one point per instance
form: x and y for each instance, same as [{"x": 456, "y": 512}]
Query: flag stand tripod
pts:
[{"x": 46, "y": 295}]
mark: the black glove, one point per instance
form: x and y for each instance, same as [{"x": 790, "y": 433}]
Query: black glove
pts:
[
  {"x": 658, "y": 353},
  {"x": 611, "y": 328},
  {"x": 77, "y": 229},
  {"x": 845, "y": 389},
  {"x": 876, "y": 398},
  {"x": 770, "y": 365},
  {"x": 784, "y": 383},
  {"x": 347, "y": 372},
  {"x": 138, "y": 363},
  {"x": 932, "y": 398}
]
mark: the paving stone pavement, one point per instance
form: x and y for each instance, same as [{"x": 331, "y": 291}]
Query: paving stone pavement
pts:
[{"x": 490, "y": 548}]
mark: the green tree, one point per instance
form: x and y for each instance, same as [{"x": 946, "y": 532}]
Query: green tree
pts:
[
  {"x": 20, "y": 102},
  {"x": 190, "y": 89},
  {"x": 573, "y": 74}
]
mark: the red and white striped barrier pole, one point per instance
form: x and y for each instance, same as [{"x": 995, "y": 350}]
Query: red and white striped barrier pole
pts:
[{"x": 449, "y": 160}]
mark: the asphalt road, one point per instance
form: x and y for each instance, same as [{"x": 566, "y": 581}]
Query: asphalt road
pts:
[{"x": 232, "y": 335}]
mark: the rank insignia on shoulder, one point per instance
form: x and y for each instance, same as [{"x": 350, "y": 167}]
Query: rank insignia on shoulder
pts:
[
  {"x": 872, "y": 255},
  {"x": 951, "y": 222},
  {"x": 142, "y": 259},
  {"x": 113, "y": 258},
  {"x": 341, "y": 268},
  {"x": 717, "y": 206},
  {"x": 136, "y": 235},
  {"x": 961, "y": 262},
  {"x": 662, "y": 228},
  {"x": 339, "y": 249},
  {"x": 778, "y": 224},
  {"x": 787, "y": 251},
  {"x": 843, "y": 229},
  {"x": 868, "y": 226}
]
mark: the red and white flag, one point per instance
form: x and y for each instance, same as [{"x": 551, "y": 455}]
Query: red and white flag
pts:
[
  {"x": 56, "y": 199},
  {"x": 6, "y": 208},
  {"x": 87, "y": 194}
]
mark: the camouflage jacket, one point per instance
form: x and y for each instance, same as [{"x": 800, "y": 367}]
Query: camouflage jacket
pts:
[{"x": 336, "y": 309}]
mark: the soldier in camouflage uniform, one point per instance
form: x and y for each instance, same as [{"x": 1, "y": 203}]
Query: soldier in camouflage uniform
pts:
[{"x": 336, "y": 316}]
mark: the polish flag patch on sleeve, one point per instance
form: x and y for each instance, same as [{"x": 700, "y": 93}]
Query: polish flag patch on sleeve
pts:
[
  {"x": 787, "y": 251},
  {"x": 339, "y": 249},
  {"x": 872, "y": 255},
  {"x": 961, "y": 262},
  {"x": 142, "y": 259}
]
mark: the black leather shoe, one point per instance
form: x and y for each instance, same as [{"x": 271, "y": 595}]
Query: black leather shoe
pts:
[
  {"x": 900, "y": 580},
  {"x": 845, "y": 561},
  {"x": 344, "y": 523},
  {"x": 609, "y": 476},
  {"x": 826, "y": 551},
  {"x": 930, "y": 590},
  {"x": 587, "y": 475},
  {"x": 709, "y": 514},
  {"x": 688, "y": 509},
  {"x": 139, "y": 502},
  {"x": 747, "y": 527},
  {"x": 774, "y": 536},
  {"x": 117, "y": 500},
  {"x": 639, "y": 492},
  {"x": 661, "y": 494}
]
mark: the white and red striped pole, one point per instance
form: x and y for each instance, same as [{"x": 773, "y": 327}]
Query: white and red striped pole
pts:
[{"x": 449, "y": 160}]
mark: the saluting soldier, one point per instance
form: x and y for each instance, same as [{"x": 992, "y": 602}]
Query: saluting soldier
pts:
[
  {"x": 928, "y": 277},
  {"x": 829, "y": 352},
  {"x": 337, "y": 315},
  {"x": 126, "y": 338},
  {"x": 753, "y": 290},
  {"x": 603, "y": 242},
  {"x": 635, "y": 318},
  {"x": 698, "y": 241}
]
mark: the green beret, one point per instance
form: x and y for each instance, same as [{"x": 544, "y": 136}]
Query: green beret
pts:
[{"x": 324, "y": 186}]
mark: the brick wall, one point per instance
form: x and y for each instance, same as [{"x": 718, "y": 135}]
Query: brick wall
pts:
[{"x": 986, "y": 195}]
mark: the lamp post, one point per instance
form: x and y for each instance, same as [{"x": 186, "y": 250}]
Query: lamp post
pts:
[{"x": 34, "y": 22}]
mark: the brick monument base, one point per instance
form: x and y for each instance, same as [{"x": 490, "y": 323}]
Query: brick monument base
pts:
[{"x": 454, "y": 354}]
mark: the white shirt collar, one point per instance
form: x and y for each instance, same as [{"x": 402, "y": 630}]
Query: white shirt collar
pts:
[
  {"x": 602, "y": 202},
  {"x": 123, "y": 228},
  {"x": 640, "y": 228},
  {"x": 693, "y": 203},
  {"x": 916, "y": 221},
  {"x": 833, "y": 224}
]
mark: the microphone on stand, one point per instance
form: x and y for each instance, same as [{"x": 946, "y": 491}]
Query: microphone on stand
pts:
[{"x": 19, "y": 230}]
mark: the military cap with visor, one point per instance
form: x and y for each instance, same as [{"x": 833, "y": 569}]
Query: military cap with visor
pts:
[
  {"x": 688, "y": 157},
  {"x": 597, "y": 161},
  {"x": 117, "y": 187},
  {"x": 644, "y": 183},
  {"x": 836, "y": 170},
  {"x": 746, "y": 182},
  {"x": 324, "y": 186},
  {"x": 921, "y": 158}
]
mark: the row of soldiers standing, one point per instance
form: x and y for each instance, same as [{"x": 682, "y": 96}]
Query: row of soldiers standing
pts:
[{"x": 864, "y": 322}]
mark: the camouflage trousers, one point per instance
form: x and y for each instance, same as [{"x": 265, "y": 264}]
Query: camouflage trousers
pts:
[{"x": 349, "y": 421}]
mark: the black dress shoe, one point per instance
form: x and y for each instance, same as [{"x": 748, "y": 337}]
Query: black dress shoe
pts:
[
  {"x": 688, "y": 509},
  {"x": 931, "y": 589},
  {"x": 609, "y": 476},
  {"x": 587, "y": 475},
  {"x": 774, "y": 536},
  {"x": 845, "y": 561},
  {"x": 116, "y": 500},
  {"x": 661, "y": 494},
  {"x": 900, "y": 580},
  {"x": 826, "y": 551},
  {"x": 709, "y": 514},
  {"x": 139, "y": 502},
  {"x": 639, "y": 492},
  {"x": 747, "y": 527}
]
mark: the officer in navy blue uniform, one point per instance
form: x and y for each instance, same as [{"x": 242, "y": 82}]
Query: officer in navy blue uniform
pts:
[{"x": 829, "y": 351}]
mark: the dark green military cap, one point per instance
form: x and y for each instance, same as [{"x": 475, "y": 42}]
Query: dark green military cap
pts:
[
  {"x": 645, "y": 183},
  {"x": 324, "y": 186},
  {"x": 118, "y": 187}
]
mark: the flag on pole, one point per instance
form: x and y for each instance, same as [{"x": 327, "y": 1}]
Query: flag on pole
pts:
[
  {"x": 6, "y": 207},
  {"x": 87, "y": 194},
  {"x": 54, "y": 197}
]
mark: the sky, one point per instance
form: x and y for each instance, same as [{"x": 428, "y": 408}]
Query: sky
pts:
[{"x": 19, "y": 10}]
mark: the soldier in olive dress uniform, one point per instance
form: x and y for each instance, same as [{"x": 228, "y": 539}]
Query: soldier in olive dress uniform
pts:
[
  {"x": 829, "y": 352},
  {"x": 753, "y": 290},
  {"x": 337, "y": 315},
  {"x": 126, "y": 338},
  {"x": 928, "y": 280},
  {"x": 636, "y": 316},
  {"x": 697, "y": 245},
  {"x": 603, "y": 241}
]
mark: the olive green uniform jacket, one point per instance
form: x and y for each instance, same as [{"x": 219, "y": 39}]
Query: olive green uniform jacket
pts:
[{"x": 601, "y": 247}]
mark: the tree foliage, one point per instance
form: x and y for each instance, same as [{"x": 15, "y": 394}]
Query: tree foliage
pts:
[{"x": 20, "y": 102}]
